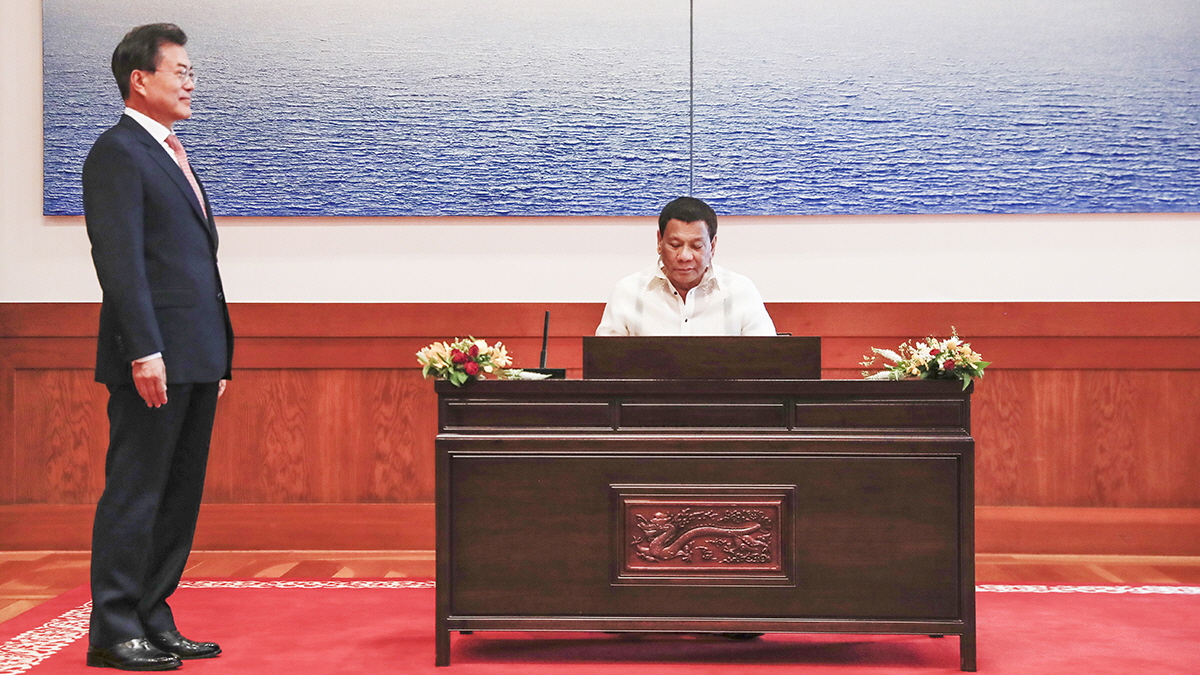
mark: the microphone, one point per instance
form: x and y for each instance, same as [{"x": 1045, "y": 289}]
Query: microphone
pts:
[
  {"x": 554, "y": 373},
  {"x": 545, "y": 338}
]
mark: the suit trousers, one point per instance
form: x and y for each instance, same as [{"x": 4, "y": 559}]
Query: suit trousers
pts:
[{"x": 146, "y": 517}]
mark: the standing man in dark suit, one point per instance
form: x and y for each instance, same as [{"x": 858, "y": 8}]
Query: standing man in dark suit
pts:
[{"x": 165, "y": 350}]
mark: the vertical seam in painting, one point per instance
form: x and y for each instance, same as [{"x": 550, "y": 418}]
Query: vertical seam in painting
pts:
[{"x": 691, "y": 97}]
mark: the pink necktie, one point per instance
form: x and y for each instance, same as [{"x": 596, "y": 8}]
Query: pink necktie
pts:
[{"x": 181, "y": 158}]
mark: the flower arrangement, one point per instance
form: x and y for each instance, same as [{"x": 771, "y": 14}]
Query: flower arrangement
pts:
[
  {"x": 466, "y": 359},
  {"x": 932, "y": 359}
]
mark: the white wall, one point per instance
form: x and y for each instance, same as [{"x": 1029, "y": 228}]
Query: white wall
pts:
[{"x": 894, "y": 258}]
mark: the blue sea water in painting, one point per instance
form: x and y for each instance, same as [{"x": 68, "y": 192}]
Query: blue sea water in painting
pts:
[
  {"x": 949, "y": 106},
  {"x": 537, "y": 107}
]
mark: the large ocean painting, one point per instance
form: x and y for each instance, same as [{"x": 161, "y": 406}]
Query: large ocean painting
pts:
[{"x": 552, "y": 108}]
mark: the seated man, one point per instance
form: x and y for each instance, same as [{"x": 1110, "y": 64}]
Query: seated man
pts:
[{"x": 684, "y": 293}]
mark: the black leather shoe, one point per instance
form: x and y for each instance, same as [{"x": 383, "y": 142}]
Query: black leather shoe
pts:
[
  {"x": 740, "y": 636},
  {"x": 172, "y": 641},
  {"x": 135, "y": 654}
]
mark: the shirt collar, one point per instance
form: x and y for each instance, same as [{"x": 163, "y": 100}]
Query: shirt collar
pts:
[{"x": 158, "y": 131}]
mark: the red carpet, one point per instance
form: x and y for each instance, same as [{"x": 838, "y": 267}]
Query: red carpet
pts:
[{"x": 333, "y": 627}]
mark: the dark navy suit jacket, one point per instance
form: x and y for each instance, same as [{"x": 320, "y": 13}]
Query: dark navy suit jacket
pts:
[{"x": 155, "y": 253}]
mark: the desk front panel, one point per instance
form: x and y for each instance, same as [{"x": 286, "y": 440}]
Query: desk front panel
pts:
[{"x": 847, "y": 529}]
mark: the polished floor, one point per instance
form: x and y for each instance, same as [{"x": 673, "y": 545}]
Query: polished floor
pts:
[{"x": 28, "y": 578}]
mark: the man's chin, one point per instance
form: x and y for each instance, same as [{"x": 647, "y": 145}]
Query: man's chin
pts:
[{"x": 688, "y": 281}]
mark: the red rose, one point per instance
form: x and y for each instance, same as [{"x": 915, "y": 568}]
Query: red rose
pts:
[
  {"x": 948, "y": 365},
  {"x": 935, "y": 352},
  {"x": 471, "y": 368},
  {"x": 457, "y": 356},
  {"x": 474, "y": 351}
]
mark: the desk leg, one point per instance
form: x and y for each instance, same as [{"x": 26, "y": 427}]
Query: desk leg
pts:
[
  {"x": 441, "y": 641},
  {"x": 966, "y": 652}
]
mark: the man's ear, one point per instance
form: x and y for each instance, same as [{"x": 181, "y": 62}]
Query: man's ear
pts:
[
  {"x": 712, "y": 246},
  {"x": 658, "y": 244},
  {"x": 137, "y": 83}
]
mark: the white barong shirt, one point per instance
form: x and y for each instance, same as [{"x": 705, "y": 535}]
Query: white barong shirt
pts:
[{"x": 723, "y": 303}]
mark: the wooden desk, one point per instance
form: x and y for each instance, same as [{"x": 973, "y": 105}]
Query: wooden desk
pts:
[{"x": 807, "y": 506}]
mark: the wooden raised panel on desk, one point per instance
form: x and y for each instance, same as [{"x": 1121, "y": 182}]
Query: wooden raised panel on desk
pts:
[
  {"x": 709, "y": 412},
  {"x": 875, "y": 537},
  {"x": 881, "y": 414},
  {"x": 508, "y": 414},
  {"x": 751, "y": 528}
]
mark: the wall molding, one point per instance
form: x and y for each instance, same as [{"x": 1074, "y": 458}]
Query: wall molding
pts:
[{"x": 328, "y": 422}]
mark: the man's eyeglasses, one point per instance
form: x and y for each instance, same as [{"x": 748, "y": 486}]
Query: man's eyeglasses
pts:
[{"x": 184, "y": 76}]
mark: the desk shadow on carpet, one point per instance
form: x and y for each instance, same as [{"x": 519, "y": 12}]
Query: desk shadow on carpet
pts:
[{"x": 772, "y": 649}]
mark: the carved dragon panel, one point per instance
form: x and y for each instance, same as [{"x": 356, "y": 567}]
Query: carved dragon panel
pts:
[{"x": 705, "y": 533}]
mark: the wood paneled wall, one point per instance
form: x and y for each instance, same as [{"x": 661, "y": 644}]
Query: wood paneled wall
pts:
[{"x": 1086, "y": 406}]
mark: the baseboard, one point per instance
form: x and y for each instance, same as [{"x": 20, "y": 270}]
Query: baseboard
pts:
[
  {"x": 1087, "y": 531},
  {"x": 236, "y": 527},
  {"x": 384, "y": 527}
]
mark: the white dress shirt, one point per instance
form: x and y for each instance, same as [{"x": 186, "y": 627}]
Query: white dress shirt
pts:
[
  {"x": 723, "y": 303},
  {"x": 158, "y": 131}
]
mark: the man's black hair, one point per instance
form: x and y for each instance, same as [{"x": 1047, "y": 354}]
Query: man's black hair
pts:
[
  {"x": 688, "y": 210},
  {"x": 139, "y": 50}
]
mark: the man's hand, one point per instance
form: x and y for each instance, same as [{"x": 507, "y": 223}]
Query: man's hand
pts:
[
  {"x": 221, "y": 388},
  {"x": 150, "y": 379}
]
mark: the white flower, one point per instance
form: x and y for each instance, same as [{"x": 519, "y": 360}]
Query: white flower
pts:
[{"x": 888, "y": 354}]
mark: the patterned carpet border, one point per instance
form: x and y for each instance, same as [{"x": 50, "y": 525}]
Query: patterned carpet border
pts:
[
  {"x": 34, "y": 646},
  {"x": 1107, "y": 590},
  {"x": 30, "y": 648}
]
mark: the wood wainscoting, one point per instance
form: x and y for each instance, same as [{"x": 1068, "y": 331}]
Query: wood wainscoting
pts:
[{"x": 1086, "y": 426}]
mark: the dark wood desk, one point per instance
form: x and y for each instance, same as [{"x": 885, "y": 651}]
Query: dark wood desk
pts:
[{"x": 752, "y": 506}]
